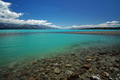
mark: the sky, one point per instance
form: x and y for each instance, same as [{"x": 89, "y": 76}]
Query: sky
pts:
[{"x": 61, "y": 13}]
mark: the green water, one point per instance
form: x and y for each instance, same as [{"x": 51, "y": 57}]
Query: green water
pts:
[{"x": 26, "y": 45}]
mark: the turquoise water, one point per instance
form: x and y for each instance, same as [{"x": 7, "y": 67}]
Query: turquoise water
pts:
[
  {"x": 27, "y": 31},
  {"x": 23, "y": 47}
]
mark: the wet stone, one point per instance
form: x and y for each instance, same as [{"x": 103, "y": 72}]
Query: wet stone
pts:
[
  {"x": 116, "y": 69},
  {"x": 90, "y": 69},
  {"x": 41, "y": 69},
  {"x": 12, "y": 65},
  {"x": 73, "y": 77},
  {"x": 31, "y": 78},
  {"x": 89, "y": 59},
  {"x": 106, "y": 74},
  {"x": 86, "y": 66},
  {"x": 69, "y": 72},
  {"x": 68, "y": 65},
  {"x": 57, "y": 70},
  {"x": 94, "y": 78}
]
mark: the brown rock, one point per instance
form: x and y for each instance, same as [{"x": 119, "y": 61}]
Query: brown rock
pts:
[
  {"x": 34, "y": 62},
  {"x": 102, "y": 76},
  {"x": 96, "y": 72},
  {"x": 111, "y": 54},
  {"x": 90, "y": 57},
  {"x": 31, "y": 78},
  {"x": 90, "y": 69},
  {"x": 86, "y": 66}
]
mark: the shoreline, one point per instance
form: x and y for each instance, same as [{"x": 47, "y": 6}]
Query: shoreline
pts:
[
  {"x": 82, "y": 32},
  {"x": 98, "y": 62},
  {"x": 95, "y": 32}
]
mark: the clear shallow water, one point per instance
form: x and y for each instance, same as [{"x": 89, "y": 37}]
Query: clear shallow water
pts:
[{"x": 27, "y": 47}]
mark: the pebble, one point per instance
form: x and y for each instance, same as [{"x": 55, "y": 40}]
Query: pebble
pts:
[
  {"x": 106, "y": 74},
  {"x": 90, "y": 69},
  {"x": 86, "y": 66},
  {"x": 41, "y": 69},
  {"x": 111, "y": 69},
  {"x": 116, "y": 69},
  {"x": 68, "y": 65},
  {"x": 89, "y": 59},
  {"x": 56, "y": 64},
  {"x": 31, "y": 78},
  {"x": 34, "y": 62},
  {"x": 117, "y": 60},
  {"x": 95, "y": 78},
  {"x": 69, "y": 72},
  {"x": 57, "y": 70}
]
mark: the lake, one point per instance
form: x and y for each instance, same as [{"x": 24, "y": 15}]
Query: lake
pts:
[{"x": 24, "y": 46}]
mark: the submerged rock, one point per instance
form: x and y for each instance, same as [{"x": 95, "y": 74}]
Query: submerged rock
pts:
[
  {"x": 12, "y": 65},
  {"x": 34, "y": 62}
]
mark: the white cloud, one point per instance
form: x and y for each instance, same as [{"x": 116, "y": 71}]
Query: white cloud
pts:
[
  {"x": 30, "y": 22},
  {"x": 7, "y": 16},
  {"x": 106, "y": 24},
  {"x": 113, "y": 22},
  {"x": 5, "y": 12}
]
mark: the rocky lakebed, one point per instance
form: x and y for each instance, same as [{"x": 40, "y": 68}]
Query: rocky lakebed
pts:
[{"x": 93, "y": 63}]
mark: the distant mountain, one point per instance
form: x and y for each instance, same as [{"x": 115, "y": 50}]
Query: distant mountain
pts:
[
  {"x": 97, "y": 28},
  {"x": 25, "y": 26}
]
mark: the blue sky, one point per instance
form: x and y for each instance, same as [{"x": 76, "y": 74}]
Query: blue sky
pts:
[{"x": 66, "y": 13}]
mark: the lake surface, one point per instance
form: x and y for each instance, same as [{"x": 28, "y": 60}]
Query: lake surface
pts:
[{"x": 24, "y": 46}]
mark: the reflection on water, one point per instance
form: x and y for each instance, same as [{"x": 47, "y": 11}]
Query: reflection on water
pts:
[{"x": 14, "y": 34}]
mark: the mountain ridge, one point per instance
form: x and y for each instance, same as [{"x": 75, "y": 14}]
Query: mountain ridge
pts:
[{"x": 23, "y": 26}]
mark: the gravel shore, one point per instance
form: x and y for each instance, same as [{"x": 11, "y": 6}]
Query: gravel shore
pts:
[
  {"x": 96, "y": 32},
  {"x": 93, "y": 63}
]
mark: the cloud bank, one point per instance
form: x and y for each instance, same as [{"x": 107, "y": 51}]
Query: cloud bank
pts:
[
  {"x": 8, "y": 16},
  {"x": 106, "y": 24}
]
